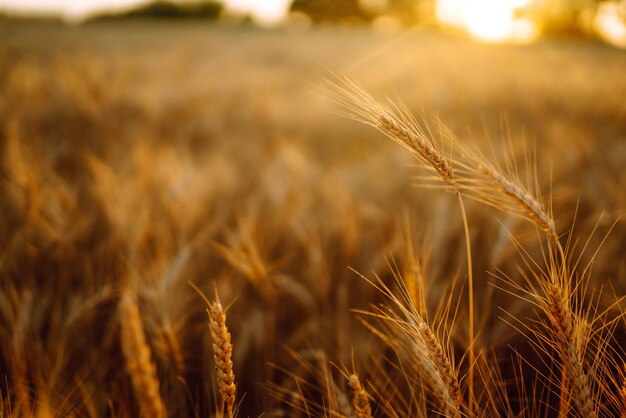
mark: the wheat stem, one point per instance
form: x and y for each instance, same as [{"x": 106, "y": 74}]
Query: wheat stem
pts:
[{"x": 399, "y": 125}]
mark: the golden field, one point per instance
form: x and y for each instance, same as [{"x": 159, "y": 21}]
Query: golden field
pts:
[{"x": 144, "y": 166}]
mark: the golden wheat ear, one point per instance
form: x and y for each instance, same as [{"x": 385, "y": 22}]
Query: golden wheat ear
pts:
[
  {"x": 360, "y": 397},
  {"x": 138, "y": 357},
  {"x": 443, "y": 365},
  {"x": 222, "y": 353},
  {"x": 564, "y": 327},
  {"x": 500, "y": 185},
  {"x": 395, "y": 122}
]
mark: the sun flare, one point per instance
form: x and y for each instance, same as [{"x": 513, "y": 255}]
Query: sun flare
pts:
[
  {"x": 488, "y": 20},
  {"x": 609, "y": 25},
  {"x": 266, "y": 13}
]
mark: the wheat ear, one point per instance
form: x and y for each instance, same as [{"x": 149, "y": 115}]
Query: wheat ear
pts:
[
  {"x": 528, "y": 205},
  {"x": 360, "y": 398},
  {"x": 524, "y": 203},
  {"x": 562, "y": 320},
  {"x": 443, "y": 365},
  {"x": 222, "y": 353},
  {"x": 396, "y": 123},
  {"x": 416, "y": 140},
  {"x": 139, "y": 357}
]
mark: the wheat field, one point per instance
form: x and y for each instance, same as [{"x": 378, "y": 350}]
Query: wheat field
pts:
[{"x": 195, "y": 224}]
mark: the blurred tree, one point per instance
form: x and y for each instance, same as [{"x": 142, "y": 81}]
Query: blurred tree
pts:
[
  {"x": 563, "y": 16},
  {"x": 411, "y": 12},
  {"x": 331, "y": 10},
  {"x": 404, "y": 11},
  {"x": 169, "y": 10}
]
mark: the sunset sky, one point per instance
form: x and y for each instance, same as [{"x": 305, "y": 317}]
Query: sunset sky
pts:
[{"x": 486, "y": 20}]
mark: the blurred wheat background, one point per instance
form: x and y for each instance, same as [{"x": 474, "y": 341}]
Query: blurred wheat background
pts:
[{"x": 152, "y": 172}]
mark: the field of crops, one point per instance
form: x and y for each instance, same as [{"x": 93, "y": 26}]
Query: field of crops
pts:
[{"x": 147, "y": 168}]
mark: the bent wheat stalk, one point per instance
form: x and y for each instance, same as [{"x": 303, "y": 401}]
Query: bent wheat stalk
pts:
[
  {"x": 397, "y": 124},
  {"x": 488, "y": 183}
]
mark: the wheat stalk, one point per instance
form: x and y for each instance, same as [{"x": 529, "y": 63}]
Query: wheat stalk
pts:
[
  {"x": 222, "y": 353},
  {"x": 360, "y": 398},
  {"x": 398, "y": 125},
  {"x": 512, "y": 197},
  {"x": 139, "y": 357}
]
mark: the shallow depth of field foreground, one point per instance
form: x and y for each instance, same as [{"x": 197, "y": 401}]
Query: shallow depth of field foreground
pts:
[{"x": 190, "y": 226}]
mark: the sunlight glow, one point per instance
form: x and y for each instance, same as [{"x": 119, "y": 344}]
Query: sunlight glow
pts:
[
  {"x": 610, "y": 26},
  {"x": 263, "y": 12},
  {"x": 488, "y": 20}
]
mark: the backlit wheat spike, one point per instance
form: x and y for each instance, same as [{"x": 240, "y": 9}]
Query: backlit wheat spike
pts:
[
  {"x": 139, "y": 358},
  {"x": 442, "y": 363},
  {"x": 222, "y": 352},
  {"x": 416, "y": 141},
  {"x": 360, "y": 398},
  {"x": 394, "y": 122},
  {"x": 527, "y": 204},
  {"x": 438, "y": 389},
  {"x": 563, "y": 322}
]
